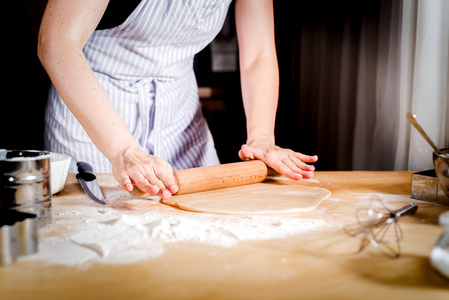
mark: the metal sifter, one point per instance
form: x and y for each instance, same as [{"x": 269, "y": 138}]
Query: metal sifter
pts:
[
  {"x": 25, "y": 201},
  {"x": 18, "y": 235}
]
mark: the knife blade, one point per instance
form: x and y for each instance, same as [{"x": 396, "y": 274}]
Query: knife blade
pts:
[{"x": 88, "y": 182}]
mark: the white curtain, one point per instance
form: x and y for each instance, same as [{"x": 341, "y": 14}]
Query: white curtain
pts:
[
  {"x": 410, "y": 69},
  {"x": 349, "y": 76},
  {"x": 376, "y": 117},
  {"x": 423, "y": 81}
]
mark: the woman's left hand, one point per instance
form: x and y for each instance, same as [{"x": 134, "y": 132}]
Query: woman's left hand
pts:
[{"x": 285, "y": 161}]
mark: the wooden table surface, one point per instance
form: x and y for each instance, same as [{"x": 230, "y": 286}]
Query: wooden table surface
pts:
[{"x": 312, "y": 265}]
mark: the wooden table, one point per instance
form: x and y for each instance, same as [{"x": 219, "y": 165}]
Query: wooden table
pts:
[{"x": 319, "y": 265}]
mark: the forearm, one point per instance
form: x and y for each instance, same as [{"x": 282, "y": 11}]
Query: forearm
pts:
[
  {"x": 260, "y": 88},
  {"x": 258, "y": 67},
  {"x": 78, "y": 86}
]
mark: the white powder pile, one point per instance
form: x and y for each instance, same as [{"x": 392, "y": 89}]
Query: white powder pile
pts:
[{"x": 110, "y": 234}]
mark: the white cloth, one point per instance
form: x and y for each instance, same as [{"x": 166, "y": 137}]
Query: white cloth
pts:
[
  {"x": 145, "y": 66},
  {"x": 423, "y": 81}
]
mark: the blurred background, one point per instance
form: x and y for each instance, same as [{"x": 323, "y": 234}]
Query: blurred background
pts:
[{"x": 349, "y": 72}]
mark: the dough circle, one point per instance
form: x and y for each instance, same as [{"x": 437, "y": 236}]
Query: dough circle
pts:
[{"x": 258, "y": 199}]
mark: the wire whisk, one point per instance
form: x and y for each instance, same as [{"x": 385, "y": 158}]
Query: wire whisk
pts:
[{"x": 373, "y": 225}]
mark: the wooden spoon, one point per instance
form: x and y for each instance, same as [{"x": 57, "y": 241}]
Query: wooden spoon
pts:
[{"x": 412, "y": 119}]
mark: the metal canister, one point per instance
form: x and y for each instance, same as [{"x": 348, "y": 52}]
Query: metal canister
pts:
[
  {"x": 9, "y": 244},
  {"x": 25, "y": 183},
  {"x": 18, "y": 235}
]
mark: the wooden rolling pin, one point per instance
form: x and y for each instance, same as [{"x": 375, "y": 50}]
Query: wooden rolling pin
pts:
[{"x": 216, "y": 177}]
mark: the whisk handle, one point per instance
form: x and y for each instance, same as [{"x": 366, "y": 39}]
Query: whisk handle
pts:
[{"x": 409, "y": 209}]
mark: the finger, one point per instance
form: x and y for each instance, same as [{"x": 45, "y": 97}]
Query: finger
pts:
[
  {"x": 286, "y": 171},
  {"x": 307, "y": 174},
  {"x": 125, "y": 182},
  {"x": 279, "y": 166},
  {"x": 174, "y": 188},
  {"x": 294, "y": 164},
  {"x": 146, "y": 186},
  {"x": 165, "y": 194},
  {"x": 300, "y": 164},
  {"x": 246, "y": 153},
  {"x": 141, "y": 182},
  {"x": 295, "y": 170},
  {"x": 306, "y": 158},
  {"x": 155, "y": 181},
  {"x": 166, "y": 178},
  {"x": 168, "y": 181}
]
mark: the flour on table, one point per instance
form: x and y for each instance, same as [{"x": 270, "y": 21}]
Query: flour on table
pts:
[
  {"x": 129, "y": 230},
  {"x": 277, "y": 177},
  {"x": 388, "y": 198}
]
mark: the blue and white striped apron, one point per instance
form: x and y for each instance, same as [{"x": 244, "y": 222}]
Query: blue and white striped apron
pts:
[{"x": 145, "y": 66}]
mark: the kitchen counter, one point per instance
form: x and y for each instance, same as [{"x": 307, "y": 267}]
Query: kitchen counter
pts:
[{"x": 320, "y": 263}]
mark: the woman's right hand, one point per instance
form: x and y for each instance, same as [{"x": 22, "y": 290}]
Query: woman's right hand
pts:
[{"x": 149, "y": 173}]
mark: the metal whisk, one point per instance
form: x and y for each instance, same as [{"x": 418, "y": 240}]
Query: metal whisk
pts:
[{"x": 373, "y": 227}]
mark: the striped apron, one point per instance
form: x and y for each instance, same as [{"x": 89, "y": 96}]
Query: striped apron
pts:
[{"x": 145, "y": 66}]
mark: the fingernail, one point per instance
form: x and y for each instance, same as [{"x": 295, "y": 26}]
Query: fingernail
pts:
[
  {"x": 165, "y": 194},
  {"x": 173, "y": 188},
  {"x": 309, "y": 174},
  {"x": 129, "y": 187},
  {"x": 154, "y": 189},
  {"x": 298, "y": 176}
]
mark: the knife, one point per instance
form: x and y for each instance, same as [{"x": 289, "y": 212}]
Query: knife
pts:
[{"x": 88, "y": 182}]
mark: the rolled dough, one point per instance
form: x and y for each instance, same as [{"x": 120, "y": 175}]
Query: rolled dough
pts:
[{"x": 259, "y": 198}]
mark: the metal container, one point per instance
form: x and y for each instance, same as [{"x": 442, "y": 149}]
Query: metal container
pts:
[
  {"x": 425, "y": 186},
  {"x": 18, "y": 235},
  {"x": 441, "y": 164},
  {"x": 25, "y": 183},
  {"x": 9, "y": 245}
]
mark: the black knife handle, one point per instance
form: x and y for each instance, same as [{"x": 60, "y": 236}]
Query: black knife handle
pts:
[
  {"x": 85, "y": 171},
  {"x": 84, "y": 167}
]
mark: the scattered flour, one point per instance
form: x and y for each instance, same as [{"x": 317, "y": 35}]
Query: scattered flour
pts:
[
  {"x": 387, "y": 198},
  {"x": 86, "y": 234},
  {"x": 332, "y": 199},
  {"x": 277, "y": 177}
]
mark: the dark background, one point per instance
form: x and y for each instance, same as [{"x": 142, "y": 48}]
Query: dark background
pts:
[{"x": 300, "y": 122}]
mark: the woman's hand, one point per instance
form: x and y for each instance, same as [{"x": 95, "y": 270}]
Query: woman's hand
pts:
[
  {"x": 149, "y": 173},
  {"x": 284, "y": 161}
]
